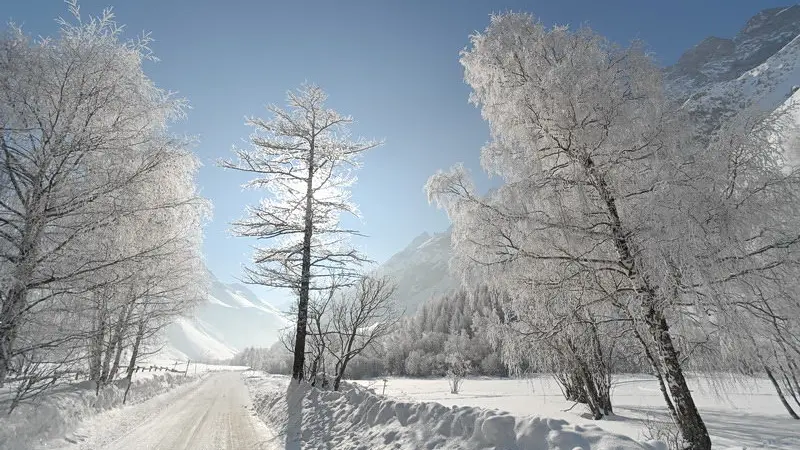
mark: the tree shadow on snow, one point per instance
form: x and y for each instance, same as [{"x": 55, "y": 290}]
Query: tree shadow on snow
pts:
[
  {"x": 294, "y": 415},
  {"x": 739, "y": 428}
]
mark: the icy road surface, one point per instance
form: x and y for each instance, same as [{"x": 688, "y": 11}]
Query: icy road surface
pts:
[{"x": 215, "y": 413}]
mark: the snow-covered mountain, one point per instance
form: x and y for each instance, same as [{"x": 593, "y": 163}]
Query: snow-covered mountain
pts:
[
  {"x": 232, "y": 318},
  {"x": 421, "y": 270},
  {"x": 718, "y": 60},
  {"x": 760, "y": 65}
]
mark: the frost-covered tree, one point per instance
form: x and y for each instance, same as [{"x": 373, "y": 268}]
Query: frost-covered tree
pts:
[
  {"x": 143, "y": 295},
  {"x": 417, "y": 347},
  {"x": 458, "y": 365},
  {"x": 305, "y": 158},
  {"x": 744, "y": 290},
  {"x": 83, "y": 134},
  {"x": 360, "y": 320},
  {"x": 577, "y": 343},
  {"x": 586, "y": 145}
]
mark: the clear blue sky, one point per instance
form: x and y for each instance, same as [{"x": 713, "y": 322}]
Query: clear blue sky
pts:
[{"x": 392, "y": 65}]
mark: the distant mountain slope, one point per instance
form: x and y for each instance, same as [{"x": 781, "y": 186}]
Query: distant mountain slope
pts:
[
  {"x": 718, "y": 60},
  {"x": 760, "y": 65},
  {"x": 421, "y": 270},
  {"x": 232, "y": 318}
]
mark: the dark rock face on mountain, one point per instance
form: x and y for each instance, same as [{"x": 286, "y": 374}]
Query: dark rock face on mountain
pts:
[{"x": 716, "y": 59}]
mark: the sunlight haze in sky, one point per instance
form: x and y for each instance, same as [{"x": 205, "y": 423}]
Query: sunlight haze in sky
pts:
[{"x": 393, "y": 66}]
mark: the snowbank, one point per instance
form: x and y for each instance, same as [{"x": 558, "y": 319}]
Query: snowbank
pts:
[
  {"x": 740, "y": 412},
  {"x": 357, "y": 418},
  {"x": 58, "y": 412}
]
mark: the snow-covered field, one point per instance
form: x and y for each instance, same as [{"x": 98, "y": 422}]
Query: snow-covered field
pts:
[
  {"x": 741, "y": 414},
  {"x": 213, "y": 410}
]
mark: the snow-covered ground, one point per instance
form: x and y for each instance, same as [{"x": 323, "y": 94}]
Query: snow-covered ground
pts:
[
  {"x": 56, "y": 414},
  {"x": 213, "y": 413},
  {"x": 742, "y": 414},
  {"x": 214, "y": 410},
  {"x": 356, "y": 418}
]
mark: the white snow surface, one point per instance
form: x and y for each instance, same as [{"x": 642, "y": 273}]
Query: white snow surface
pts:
[
  {"x": 192, "y": 338},
  {"x": 357, "y": 418},
  {"x": 792, "y": 105},
  {"x": 58, "y": 412},
  {"x": 741, "y": 413},
  {"x": 215, "y": 412},
  {"x": 767, "y": 85}
]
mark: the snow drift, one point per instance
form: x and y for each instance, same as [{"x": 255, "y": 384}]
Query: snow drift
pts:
[{"x": 357, "y": 418}]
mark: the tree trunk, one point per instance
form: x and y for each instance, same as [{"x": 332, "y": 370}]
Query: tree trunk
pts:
[
  {"x": 116, "y": 345},
  {"x": 657, "y": 372},
  {"x": 132, "y": 362},
  {"x": 346, "y": 356},
  {"x": 110, "y": 347},
  {"x": 691, "y": 425},
  {"x": 14, "y": 302},
  {"x": 338, "y": 380},
  {"x": 96, "y": 343},
  {"x": 312, "y": 376},
  {"x": 790, "y": 388},
  {"x": 602, "y": 375},
  {"x": 25, "y": 263},
  {"x": 305, "y": 274},
  {"x": 795, "y": 384},
  {"x": 117, "y": 360},
  {"x": 780, "y": 393},
  {"x": 591, "y": 392}
]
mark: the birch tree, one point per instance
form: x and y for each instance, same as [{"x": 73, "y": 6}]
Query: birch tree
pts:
[
  {"x": 585, "y": 144},
  {"x": 305, "y": 158},
  {"x": 80, "y": 122},
  {"x": 168, "y": 282},
  {"x": 749, "y": 248}
]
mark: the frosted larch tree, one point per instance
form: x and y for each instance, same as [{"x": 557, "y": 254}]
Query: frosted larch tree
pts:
[{"x": 305, "y": 158}]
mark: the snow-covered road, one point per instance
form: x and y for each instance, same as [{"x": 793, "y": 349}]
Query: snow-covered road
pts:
[{"x": 215, "y": 413}]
